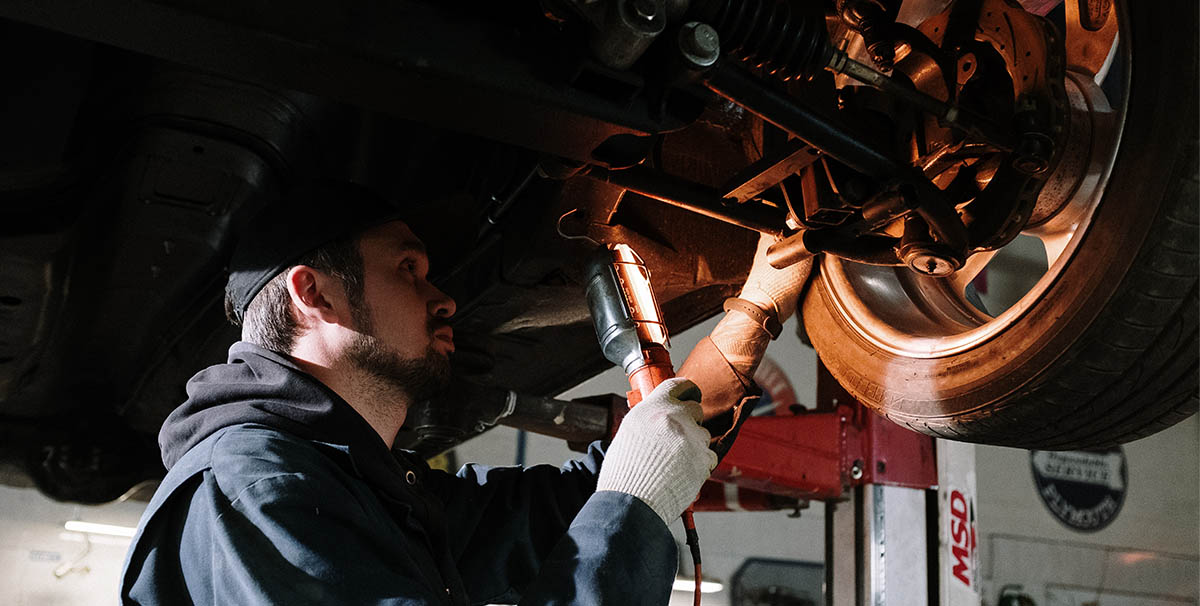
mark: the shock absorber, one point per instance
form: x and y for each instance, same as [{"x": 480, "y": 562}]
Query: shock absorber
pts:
[
  {"x": 789, "y": 40},
  {"x": 786, "y": 39}
]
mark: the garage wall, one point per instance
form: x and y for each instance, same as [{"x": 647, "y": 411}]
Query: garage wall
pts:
[
  {"x": 1148, "y": 555},
  {"x": 41, "y": 564}
]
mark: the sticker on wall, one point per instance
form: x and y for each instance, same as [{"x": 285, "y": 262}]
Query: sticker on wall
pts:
[
  {"x": 39, "y": 555},
  {"x": 1084, "y": 489}
]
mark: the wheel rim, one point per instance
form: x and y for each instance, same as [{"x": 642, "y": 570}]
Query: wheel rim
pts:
[{"x": 916, "y": 316}]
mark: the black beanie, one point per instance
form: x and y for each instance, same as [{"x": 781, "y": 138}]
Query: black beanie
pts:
[{"x": 311, "y": 215}]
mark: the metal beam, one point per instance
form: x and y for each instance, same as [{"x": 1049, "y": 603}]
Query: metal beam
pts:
[{"x": 694, "y": 197}]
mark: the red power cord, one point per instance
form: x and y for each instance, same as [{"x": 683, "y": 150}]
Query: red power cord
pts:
[{"x": 693, "y": 543}]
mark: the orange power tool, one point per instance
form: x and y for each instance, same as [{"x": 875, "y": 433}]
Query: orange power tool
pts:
[{"x": 632, "y": 334}]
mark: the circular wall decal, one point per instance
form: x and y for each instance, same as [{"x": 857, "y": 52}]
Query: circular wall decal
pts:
[{"x": 1084, "y": 489}]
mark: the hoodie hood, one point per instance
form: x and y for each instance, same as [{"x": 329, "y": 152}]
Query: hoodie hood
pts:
[{"x": 263, "y": 387}]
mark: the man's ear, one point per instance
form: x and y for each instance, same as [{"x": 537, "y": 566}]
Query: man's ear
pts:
[{"x": 316, "y": 295}]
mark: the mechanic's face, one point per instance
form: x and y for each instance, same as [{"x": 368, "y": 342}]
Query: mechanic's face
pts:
[{"x": 405, "y": 338}]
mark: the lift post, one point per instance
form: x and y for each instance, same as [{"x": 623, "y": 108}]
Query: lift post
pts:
[{"x": 878, "y": 480}]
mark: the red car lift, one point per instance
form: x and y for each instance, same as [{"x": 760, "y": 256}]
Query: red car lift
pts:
[
  {"x": 821, "y": 454},
  {"x": 875, "y": 478}
]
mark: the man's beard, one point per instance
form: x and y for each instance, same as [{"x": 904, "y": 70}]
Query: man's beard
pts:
[{"x": 419, "y": 379}]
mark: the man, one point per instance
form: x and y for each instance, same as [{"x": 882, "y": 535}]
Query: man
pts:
[{"x": 282, "y": 483}]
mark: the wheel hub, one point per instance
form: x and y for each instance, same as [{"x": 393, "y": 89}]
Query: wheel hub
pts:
[
  {"x": 922, "y": 311},
  {"x": 1010, "y": 63}
]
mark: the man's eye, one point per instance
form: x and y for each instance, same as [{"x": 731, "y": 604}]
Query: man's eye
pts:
[{"x": 409, "y": 265}]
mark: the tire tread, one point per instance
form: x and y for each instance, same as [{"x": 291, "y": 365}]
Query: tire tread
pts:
[{"x": 1123, "y": 392}]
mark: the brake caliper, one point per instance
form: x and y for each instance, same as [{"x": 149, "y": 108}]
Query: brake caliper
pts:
[{"x": 1005, "y": 62}]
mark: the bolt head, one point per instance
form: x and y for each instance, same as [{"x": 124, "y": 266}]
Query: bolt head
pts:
[
  {"x": 704, "y": 39},
  {"x": 930, "y": 259},
  {"x": 931, "y": 264},
  {"x": 700, "y": 43},
  {"x": 1032, "y": 156},
  {"x": 1030, "y": 165}
]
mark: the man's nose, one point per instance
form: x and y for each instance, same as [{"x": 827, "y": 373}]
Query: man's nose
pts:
[{"x": 440, "y": 304}]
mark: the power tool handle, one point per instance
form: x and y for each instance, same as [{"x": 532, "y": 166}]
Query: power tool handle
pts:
[
  {"x": 646, "y": 378},
  {"x": 657, "y": 368}
]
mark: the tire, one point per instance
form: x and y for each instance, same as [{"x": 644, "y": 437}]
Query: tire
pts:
[{"x": 1108, "y": 352}]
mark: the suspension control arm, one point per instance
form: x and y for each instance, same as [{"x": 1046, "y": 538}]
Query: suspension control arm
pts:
[{"x": 826, "y": 133}]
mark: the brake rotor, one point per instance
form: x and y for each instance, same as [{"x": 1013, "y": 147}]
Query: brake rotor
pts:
[{"x": 1010, "y": 49}]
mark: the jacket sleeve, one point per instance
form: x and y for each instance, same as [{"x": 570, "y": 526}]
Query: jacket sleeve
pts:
[
  {"x": 541, "y": 533},
  {"x": 616, "y": 551}
]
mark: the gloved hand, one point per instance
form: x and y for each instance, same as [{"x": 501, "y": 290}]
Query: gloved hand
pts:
[
  {"x": 660, "y": 453},
  {"x": 771, "y": 288},
  {"x": 741, "y": 339}
]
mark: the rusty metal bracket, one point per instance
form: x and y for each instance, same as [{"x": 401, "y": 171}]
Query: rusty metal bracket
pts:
[{"x": 770, "y": 170}]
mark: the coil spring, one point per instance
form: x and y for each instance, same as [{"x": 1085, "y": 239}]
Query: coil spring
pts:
[{"x": 786, "y": 39}]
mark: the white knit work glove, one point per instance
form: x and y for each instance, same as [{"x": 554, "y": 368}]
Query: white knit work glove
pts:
[
  {"x": 771, "y": 288},
  {"x": 660, "y": 453}
]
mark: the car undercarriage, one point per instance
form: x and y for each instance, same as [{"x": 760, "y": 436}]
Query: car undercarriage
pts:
[{"x": 900, "y": 144}]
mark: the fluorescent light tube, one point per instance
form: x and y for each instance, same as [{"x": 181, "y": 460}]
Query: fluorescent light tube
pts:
[
  {"x": 108, "y": 529},
  {"x": 682, "y": 584}
]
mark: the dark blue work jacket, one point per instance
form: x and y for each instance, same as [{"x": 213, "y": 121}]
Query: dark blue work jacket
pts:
[{"x": 278, "y": 492}]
